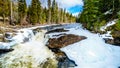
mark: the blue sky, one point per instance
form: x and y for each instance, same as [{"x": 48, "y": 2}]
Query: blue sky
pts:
[{"x": 72, "y": 6}]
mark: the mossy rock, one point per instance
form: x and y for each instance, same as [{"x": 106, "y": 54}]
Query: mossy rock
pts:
[{"x": 50, "y": 63}]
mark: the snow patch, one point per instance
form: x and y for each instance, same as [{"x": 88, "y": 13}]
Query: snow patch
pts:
[{"x": 108, "y": 25}]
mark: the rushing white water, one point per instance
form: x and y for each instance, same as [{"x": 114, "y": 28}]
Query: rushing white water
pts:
[{"x": 32, "y": 54}]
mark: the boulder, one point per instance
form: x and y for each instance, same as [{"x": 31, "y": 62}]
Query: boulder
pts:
[
  {"x": 57, "y": 30},
  {"x": 65, "y": 40},
  {"x": 115, "y": 41},
  {"x": 5, "y": 50}
]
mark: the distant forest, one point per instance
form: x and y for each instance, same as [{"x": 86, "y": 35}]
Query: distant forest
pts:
[{"x": 17, "y": 12}]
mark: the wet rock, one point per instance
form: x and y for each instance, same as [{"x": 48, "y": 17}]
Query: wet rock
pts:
[
  {"x": 57, "y": 30},
  {"x": 115, "y": 41},
  {"x": 109, "y": 41},
  {"x": 8, "y": 36},
  {"x": 62, "y": 58},
  {"x": 64, "y": 61},
  {"x": 5, "y": 50},
  {"x": 64, "y": 40},
  {"x": 36, "y": 30},
  {"x": 50, "y": 63}
]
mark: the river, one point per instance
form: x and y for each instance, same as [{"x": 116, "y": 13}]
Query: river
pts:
[{"x": 92, "y": 52}]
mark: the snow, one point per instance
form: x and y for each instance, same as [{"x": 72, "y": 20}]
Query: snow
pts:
[
  {"x": 92, "y": 52},
  {"x": 108, "y": 25},
  {"x": 108, "y": 33}
]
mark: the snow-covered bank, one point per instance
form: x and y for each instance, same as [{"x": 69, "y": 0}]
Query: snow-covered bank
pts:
[{"x": 108, "y": 33}]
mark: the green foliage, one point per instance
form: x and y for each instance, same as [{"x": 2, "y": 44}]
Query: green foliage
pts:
[
  {"x": 49, "y": 11},
  {"x": 22, "y": 9},
  {"x": 34, "y": 12},
  {"x": 97, "y": 12},
  {"x": 117, "y": 25},
  {"x": 4, "y": 8}
]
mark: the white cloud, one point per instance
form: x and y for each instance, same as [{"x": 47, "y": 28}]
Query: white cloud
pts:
[
  {"x": 64, "y": 3},
  {"x": 69, "y": 3},
  {"x": 76, "y": 14}
]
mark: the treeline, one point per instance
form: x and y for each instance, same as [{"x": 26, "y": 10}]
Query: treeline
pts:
[
  {"x": 18, "y": 12},
  {"x": 97, "y": 13}
]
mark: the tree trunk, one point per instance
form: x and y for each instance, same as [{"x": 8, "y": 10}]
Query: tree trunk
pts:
[{"x": 4, "y": 18}]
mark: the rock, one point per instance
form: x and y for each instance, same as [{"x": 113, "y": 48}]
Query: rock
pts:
[
  {"x": 115, "y": 41},
  {"x": 64, "y": 40},
  {"x": 63, "y": 60},
  {"x": 57, "y": 30},
  {"x": 1, "y": 38},
  {"x": 109, "y": 41},
  {"x": 37, "y": 30},
  {"x": 5, "y": 50},
  {"x": 8, "y": 36},
  {"x": 50, "y": 63}
]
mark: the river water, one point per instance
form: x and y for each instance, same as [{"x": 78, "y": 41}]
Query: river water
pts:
[{"x": 90, "y": 53}]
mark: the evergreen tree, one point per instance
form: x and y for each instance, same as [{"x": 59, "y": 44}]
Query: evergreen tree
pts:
[
  {"x": 90, "y": 13},
  {"x": 4, "y": 9},
  {"x": 49, "y": 11},
  {"x": 22, "y": 9},
  {"x": 35, "y": 12}
]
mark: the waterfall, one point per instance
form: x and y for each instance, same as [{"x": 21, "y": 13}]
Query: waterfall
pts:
[{"x": 32, "y": 54}]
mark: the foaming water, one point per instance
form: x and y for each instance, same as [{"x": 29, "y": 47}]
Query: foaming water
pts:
[{"x": 33, "y": 54}]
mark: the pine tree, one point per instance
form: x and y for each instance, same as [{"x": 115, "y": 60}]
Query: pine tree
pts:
[
  {"x": 90, "y": 14},
  {"x": 35, "y": 12},
  {"x": 22, "y": 9},
  {"x": 4, "y": 9},
  {"x": 49, "y": 11},
  {"x": 61, "y": 15}
]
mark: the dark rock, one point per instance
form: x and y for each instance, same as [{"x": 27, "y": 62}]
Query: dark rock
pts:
[
  {"x": 109, "y": 41},
  {"x": 63, "y": 60},
  {"x": 5, "y": 50},
  {"x": 57, "y": 30},
  {"x": 8, "y": 35},
  {"x": 64, "y": 40},
  {"x": 115, "y": 41}
]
